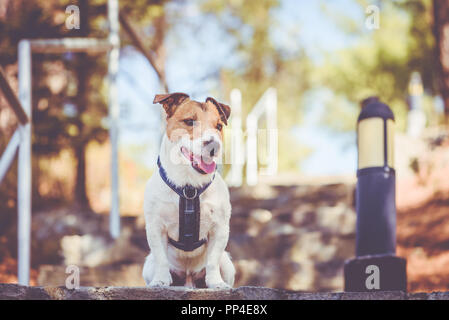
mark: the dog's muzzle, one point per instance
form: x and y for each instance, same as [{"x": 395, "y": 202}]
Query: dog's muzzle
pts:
[{"x": 211, "y": 147}]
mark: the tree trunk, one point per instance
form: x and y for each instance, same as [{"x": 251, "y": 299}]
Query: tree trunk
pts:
[
  {"x": 158, "y": 47},
  {"x": 441, "y": 32},
  {"x": 80, "y": 183},
  {"x": 80, "y": 145},
  {"x": 156, "y": 56}
]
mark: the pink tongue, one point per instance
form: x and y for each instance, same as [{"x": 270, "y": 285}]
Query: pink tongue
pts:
[{"x": 206, "y": 167}]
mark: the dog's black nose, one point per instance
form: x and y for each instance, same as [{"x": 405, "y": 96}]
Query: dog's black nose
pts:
[
  {"x": 205, "y": 143},
  {"x": 212, "y": 146}
]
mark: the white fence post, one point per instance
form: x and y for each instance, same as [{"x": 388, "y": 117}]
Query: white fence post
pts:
[
  {"x": 267, "y": 105},
  {"x": 24, "y": 166},
  {"x": 235, "y": 175},
  {"x": 251, "y": 150},
  {"x": 114, "y": 112},
  {"x": 272, "y": 133},
  {"x": 416, "y": 118}
]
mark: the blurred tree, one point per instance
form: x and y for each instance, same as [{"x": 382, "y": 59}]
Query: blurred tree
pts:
[
  {"x": 155, "y": 52},
  {"x": 264, "y": 63},
  {"x": 441, "y": 31},
  {"x": 381, "y": 61},
  {"x": 83, "y": 69},
  {"x": 69, "y": 101}
]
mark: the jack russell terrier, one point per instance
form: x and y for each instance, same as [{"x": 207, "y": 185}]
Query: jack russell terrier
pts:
[{"x": 186, "y": 205}]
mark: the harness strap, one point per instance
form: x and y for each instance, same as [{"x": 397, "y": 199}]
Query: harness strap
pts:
[
  {"x": 189, "y": 213},
  {"x": 189, "y": 225}
]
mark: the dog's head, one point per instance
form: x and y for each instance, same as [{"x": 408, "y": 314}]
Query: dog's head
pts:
[{"x": 194, "y": 129}]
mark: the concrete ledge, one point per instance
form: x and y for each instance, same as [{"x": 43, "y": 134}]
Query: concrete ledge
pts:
[{"x": 17, "y": 292}]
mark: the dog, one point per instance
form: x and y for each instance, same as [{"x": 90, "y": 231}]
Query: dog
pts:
[{"x": 190, "y": 148}]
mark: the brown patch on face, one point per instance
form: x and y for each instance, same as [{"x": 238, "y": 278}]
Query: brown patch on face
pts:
[{"x": 194, "y": 118}]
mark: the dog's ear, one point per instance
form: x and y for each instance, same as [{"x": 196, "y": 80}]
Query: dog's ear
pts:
[
  {"x": 170, "y": 101},
  {"x": 223, "y": 109}
]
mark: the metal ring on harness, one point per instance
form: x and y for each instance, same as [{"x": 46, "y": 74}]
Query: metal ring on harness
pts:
[{"x": 189, "y": 198}]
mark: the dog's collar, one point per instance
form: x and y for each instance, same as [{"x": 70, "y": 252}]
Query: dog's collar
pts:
[
  {"x": 189, "y": 213},
  {"x": 187, "y": 191}
]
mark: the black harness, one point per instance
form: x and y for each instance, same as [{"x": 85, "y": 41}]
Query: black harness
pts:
[{"x": 189, "y": 213}]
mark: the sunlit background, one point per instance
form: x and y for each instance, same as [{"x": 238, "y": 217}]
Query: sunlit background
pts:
[{"x": 295, "y": 228}]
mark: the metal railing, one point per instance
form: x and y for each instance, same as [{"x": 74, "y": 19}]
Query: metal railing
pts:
[
  {"x": 21, "y": 139},
  {"x": 237, "y": 154},
  {"x": 13, "y": 145},
  {"x": 267, "y": 105}
]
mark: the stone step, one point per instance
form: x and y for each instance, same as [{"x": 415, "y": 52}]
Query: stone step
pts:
[{"x": 14, "y": 291}]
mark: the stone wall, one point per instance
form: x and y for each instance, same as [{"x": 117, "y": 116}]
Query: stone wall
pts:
[{"x": 285, "y": 237}]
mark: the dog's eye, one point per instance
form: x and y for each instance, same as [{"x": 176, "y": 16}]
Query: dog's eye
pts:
[
  {"x": 189, "y": 122},
  {"x": 219, "y": 127}
]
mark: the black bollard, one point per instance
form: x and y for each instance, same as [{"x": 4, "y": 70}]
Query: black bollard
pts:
[{"x": 376, "y": 267}]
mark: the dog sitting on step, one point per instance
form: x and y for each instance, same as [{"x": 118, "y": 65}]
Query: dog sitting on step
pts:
[{"x": 186, "y": 205}]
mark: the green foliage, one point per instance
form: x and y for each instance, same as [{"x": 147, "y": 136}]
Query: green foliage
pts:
[
  {"x": 378, "y": 63},
  {"x": 381, "y": 62},
  {"x": 263, "y": 64}
]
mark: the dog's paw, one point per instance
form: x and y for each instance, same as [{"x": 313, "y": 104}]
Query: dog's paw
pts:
[
  {"x": 164, "y": 281},
  {"x": 159, "y": 283},
  {"x": 218, "y": 285}
]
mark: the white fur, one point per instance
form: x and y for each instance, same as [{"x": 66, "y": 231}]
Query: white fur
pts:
[{"x": 161, "y": 206}]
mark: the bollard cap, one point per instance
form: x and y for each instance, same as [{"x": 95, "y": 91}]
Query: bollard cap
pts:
[
  {"x": 369, "y": 100},
  {"x": 375, "y": 109}
]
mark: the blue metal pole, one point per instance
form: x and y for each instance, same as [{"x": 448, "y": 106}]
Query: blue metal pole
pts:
[{"x": 24, "y": 167}]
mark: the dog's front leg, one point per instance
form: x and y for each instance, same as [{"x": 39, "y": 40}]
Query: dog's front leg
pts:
[
  {"x": 218, "y": 239},
  {"x": 157, "y": 240}
]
